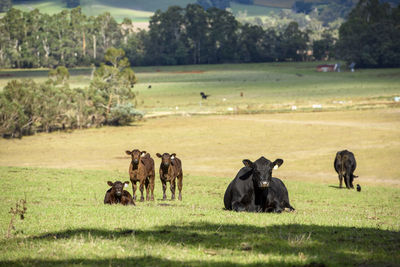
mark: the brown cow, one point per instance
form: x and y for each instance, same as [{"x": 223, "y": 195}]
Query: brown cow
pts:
[
  {"x": 117, "y": 195},
  {"x": 170, "y": 168},
  {"x": 141, "y": 170}
]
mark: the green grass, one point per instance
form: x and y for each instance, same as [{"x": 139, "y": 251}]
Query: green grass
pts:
[
  {"x": 265, "y": 87},
  {"x": 67, "y": 224},
  {"x": 137, "y": 11}
]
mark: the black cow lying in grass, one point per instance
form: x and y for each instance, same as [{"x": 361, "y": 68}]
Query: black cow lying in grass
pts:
[
  {"x": 345, "y": 165},
  {"x": 117, "y": 195},
  {"x": 254, "y": 189}
]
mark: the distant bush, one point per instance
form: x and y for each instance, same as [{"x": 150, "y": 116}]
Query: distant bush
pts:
[{"x": 28, "y": 107}]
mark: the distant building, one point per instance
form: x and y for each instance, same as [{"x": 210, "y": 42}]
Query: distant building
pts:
[{"x": 326, "y": 67}]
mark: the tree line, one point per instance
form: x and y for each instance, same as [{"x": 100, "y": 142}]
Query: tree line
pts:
[{"x": 194, "y": 35}]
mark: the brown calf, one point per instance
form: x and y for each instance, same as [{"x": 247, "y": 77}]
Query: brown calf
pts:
[
  {"x": 117, "y": 195},
  {"x": 141, "y": 170},
  {"x": 170, "y": 168}
]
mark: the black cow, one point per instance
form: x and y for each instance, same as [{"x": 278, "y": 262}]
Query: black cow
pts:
[
  {"x": 345, "y": 165},
  {"x": 254, "y": 189}
]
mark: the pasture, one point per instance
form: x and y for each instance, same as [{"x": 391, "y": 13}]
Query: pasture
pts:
[{"x": 63, "y": 175}]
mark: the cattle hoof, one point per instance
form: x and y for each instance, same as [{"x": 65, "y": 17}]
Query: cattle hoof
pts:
[{"x": 180, "y": 198}]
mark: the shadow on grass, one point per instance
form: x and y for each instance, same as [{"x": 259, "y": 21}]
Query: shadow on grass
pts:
[
  {"x": 142, "y": 261},
  {"x": 337, "y": 187},
  {"x": 329, "y": 245}
]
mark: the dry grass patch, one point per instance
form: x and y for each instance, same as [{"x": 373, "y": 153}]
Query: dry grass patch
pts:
[{"x": 215, "y": 145}]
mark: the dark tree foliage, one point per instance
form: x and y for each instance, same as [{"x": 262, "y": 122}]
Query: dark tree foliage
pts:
[
  {"x": 5, "y": 5},
  {"x": 221, "y": 4},
  {"x": 177, "y": 36},
  {"x": 302, "y": 7},
  {"x": 324, "y": 48},
  {"x": 371, "y": 35},
  {"x": 246, "y": 2},
  {"x": 73, "y": 3},
  {"x": 69, "y": 38}
]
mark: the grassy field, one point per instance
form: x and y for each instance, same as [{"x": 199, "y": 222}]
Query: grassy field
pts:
[
  {"x": 266, "y": 87},
  {"x": 63, "y": 175},
  {"x": 137, "y": 11},
  {"x": 67, "y": 224}
]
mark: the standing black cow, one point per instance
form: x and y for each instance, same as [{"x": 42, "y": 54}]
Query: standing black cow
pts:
[
  {"x": 345, "y": 164},
  {"x": 254, "y": 189}
]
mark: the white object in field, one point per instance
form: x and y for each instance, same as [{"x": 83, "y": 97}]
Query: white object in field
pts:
[
  {"x": 397, "y": 98},
  {"x": 317, "y": 106},
  {"x": 294, "y": 107},
  {"x": 230, "y": 109}
]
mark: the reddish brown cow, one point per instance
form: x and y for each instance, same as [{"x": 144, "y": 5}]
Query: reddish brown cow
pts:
[
  {"x": 117, "y": 195},
  {"x": 141, "y": 170},
  {"x": 170, "y": 168}
]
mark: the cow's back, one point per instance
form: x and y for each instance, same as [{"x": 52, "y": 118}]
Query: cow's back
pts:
[
  {"x": 177, "y": 163},
  {"x": 148, "y": 163},
  {"x": 228, "y": 196},
  {"x": 241, "y": 188}
]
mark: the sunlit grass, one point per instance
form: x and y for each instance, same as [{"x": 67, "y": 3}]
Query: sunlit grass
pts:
[{"x": 66, "y": 223}]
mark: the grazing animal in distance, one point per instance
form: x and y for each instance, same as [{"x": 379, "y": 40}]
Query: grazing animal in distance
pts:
[
  {"x": 149, "y": 87},
  {"x": 254, "y": 189},
  {"x": 171, "y": 169},
  {"x": 358, "y": 188},
  {"x": 241, "y": 94},
  {"x": 345, "y": 165},
  {"x": 117, "y": 195},
  {"x": 141, "y": 169},
  {"x": 203, "y": 95}
]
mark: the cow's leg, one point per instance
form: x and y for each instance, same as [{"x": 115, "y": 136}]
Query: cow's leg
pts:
[
  {"x": 180, "y": 178},
  {"x": 134, "y": 186},
  {"x": 141, "y": 188},
  {"x": 238, "y": 206},
  {"x": 351, "y": 180},
  {"x": 278, "y": 208},
  {"x": 152, "y": 178},
  {"x": 164, "y": 188},
  {"x": 347, "y": 180},
  {"x": 173, "y": 185},
  {"x": 340, "y": 180},
  {"x": 146, "y": 183}
]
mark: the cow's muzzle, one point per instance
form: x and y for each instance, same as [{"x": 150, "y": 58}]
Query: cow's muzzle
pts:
[{"x": 264, "y": 184}]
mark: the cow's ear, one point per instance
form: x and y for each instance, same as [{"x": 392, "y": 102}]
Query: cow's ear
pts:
[
  {"x": 143, "y": 153},
  {"x": 128, "y": 152},
  {"x": 126, "y": 183},
  {"x": 159, "y": 155},
  {"x": 173, "y": 155},
  {"x": 110, "y": 183},
  {"x": 248, "y": 163},
  {"x": 277, "y": 163}
]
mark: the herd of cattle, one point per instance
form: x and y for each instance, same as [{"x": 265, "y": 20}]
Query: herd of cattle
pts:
[{"x": 253, "y": 189}]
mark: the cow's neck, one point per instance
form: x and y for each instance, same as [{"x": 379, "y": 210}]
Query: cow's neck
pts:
[
  {"x": 134, "y": 165},
  {"x": 164, "y": 168}
]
